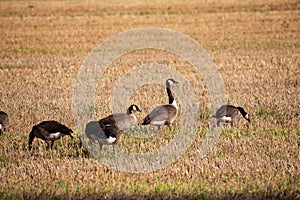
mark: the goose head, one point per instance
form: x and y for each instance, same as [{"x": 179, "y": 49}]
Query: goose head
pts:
[
  {"x": 244, "y": 113},
  {"x": 133, "y": 107},
  {"x": 170, "y": 81}
]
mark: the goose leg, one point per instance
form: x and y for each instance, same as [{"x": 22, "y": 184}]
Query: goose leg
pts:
[
  {"x": 52, "y": 142},
  {"x": 233, "y": 121},
  {"x": 158, "y": 129},
  {"x": 218, "y": 123},
  {"x": 114, "y": 148},
  {"x": 100, "y": 146},
  {"x": 47, "y": 145}
]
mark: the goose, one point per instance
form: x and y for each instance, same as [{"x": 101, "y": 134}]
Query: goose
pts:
[
  {"x": 164, "y": 114},
  {"x": 48, "y": 131},
  {"x": 4, "y": 120},
  {"x": 122, "y": 121},
  {"x": 105, "y": 134},
  {"x": 230, "y": 113},
  {"x": 107, "y": 130}
]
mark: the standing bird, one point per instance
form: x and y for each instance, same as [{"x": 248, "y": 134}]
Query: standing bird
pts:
[
  {"x": 104, "y": 134},
  {"x": 230, "y": 113},
  {"x": 4, "y": 120},
  {"x": 164, "y": 114},
  {"x": 122, "y": 121},
  {"x": 107, "y": 130},
  {"x": 48, "y": 131}
]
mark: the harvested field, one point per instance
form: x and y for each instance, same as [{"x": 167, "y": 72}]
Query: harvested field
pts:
[{"x": 255, "y": 46}]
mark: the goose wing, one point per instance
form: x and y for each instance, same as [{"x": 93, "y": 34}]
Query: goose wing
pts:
[
  {"x": 96, "y": 130},
  {"x": 161, "y": 113},
  {"x": 112, "y": 119},
  {"x": 54, "y": 127},
  {"x": 109, "y": 131},
  {"x": 225, "y": 110},
  {"x": 120, "y": 120}
]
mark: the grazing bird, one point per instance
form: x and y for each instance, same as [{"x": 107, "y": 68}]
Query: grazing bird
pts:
[
  {"x": 107, "y": 130},
  {"x": 48, "y": 131},
  {"x": 104, "y": 134},
  {"x": 4, "y": 120},
  {"x": 230, "y": 113},
  {"x": 164, "y": 114},
  {"x": 122, "y": 121}
]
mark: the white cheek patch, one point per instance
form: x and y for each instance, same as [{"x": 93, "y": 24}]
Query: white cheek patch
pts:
[
  {"x": 55, "y": 135},
  {"x": 247, "y": 116},
  {"x": 225, "y": 118},
  {"x": 0, "y": 126}
]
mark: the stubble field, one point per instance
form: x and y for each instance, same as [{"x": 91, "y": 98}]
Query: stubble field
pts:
[{"x": 255, "y": 45}]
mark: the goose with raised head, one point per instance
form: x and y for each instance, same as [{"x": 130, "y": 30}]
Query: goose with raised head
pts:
[
  {"x": 164, "y": 114},
  {"x": 122, "y": 121},
  {"x": 4, "y": 120},
  {"x": 230, "y": 113},
  {"x": 49, "y": 131}
]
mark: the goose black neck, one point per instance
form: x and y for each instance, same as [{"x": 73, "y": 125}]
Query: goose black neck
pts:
[
  {"x": 171, "y": 97},
  {"x": 242, "y": 111},
  {"x": 129, "y": 111}
]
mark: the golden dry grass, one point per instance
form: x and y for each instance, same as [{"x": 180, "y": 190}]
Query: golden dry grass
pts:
[{"x": 255, "y": 45}]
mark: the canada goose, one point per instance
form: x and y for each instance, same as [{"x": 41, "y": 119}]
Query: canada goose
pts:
[
  {"x": 48, "y": 131},
  {"x": 122, "y": 121},
  {"x": 164, "y": 114},
  {"x": 107, "y": 130},
  {"x": 3, "y": 121},
  {"x": 105, "y": 134},
  {"x": 229, "y": 113}
]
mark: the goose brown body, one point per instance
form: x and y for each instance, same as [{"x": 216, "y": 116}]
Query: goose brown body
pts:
[
  {"x": 108, "y": 129},
  {"x": 230, "y": 113},
  {"x": 163, "y": 114},
  {"x": 49, "y": 131},
  {"x": 122, "y": 121},
  {"x": 104, "y": 134}
]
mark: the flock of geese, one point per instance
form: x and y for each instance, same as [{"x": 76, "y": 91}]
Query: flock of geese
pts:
[{"x": 106, "y": 131}]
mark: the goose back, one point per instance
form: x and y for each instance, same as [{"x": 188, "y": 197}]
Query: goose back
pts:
[
  {"x": 161, "y": 115},
  {"x": 164, "y": 114},
  {"x": 226, "y": 111},
  {"x": 229, "y": 113},
  {"x": 122, "y": 121},
  {"x": 48, "y": 131}
]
